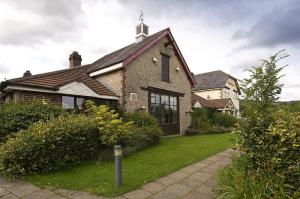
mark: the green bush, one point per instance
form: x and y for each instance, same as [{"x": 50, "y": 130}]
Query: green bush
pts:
[
  {"x": 52, "y": 145},
  {"x": 209, "y": 121},
  {"x": 146, "y": 131},
  {"x": 236, "y": 181},
  {"x": 140, "y": 118},
  {"x": 113, "y": 128},
  {"x": 141, "y": 138},
  {"x": 18, "y": 116},
  {"x": 191, "y": 132},
  {"x": 224, "y": 120}
]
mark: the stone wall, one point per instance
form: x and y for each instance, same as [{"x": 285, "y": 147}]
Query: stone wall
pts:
[
  {"x": 143, "y": 72},
  {"x": 114, "y": 81}
]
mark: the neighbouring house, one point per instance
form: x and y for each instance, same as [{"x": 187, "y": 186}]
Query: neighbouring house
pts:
[
  {"x": 217, "y": 90},
  {"x": 149, "y": 74}
]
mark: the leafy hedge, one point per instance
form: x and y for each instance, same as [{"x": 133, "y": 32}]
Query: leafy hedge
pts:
[
  {"x": 71, "y": 138},
  {"x": 19, "y": 116},
  {"x": 209, "y": 121},
  {"x": 146, "y": 131},
  {"x": 52, "y": 145}
]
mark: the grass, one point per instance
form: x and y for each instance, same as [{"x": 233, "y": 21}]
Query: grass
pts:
[{"x": 170, "y": 155}]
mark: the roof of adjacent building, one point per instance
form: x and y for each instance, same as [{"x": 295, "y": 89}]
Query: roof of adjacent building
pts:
[
  {"x": 212, "y": 103},
  {"x": 55, "y": 79},
  {"x": 211, "y": 80}
]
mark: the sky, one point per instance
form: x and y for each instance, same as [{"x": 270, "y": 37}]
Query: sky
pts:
[{"x": 39, "y": 35}]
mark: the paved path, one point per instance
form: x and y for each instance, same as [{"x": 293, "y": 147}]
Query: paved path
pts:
[{"x": 196, "y": 181}]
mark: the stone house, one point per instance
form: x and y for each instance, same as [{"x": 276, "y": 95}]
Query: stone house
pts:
[
  {"x": 149, "y": 74},
  {"x": 217, "y": 90}
]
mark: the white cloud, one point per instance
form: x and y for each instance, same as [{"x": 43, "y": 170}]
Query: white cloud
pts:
[{"x": 40, "y": 35}]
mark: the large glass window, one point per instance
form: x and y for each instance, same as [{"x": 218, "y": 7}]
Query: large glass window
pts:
[{"x": 164, "y": 108}]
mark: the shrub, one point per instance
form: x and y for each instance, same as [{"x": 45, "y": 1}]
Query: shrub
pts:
[
  {"x": 141, "y": 138},
  {"x": 200, "y": 120},
  {"x": 18, "y": 116},
  {"x": 210, "y": 121},
  {"x": 113, "y": 129},
  {"x": 236, "y": 181},
  {"x": 146, "y": 131},
  {"x": 191, "y": 132},
  {"x": 140, "y": 118},
  {"x": 224, "y": 120},
  {"x": 48, "y": 146}
]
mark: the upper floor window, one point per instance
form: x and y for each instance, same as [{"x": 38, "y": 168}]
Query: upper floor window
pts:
[{"x": 165, "y": 67}]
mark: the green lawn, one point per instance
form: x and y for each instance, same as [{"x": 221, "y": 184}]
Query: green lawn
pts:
[{"x": 142, "y": 167}]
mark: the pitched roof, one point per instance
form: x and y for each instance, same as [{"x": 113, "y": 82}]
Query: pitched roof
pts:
[
  {"x": 121, "y": 54},
  {"x": 53, "y": 80},
  {"x": 211, "y": 80},
  {"x": 56, "y": 79},
  {"x": 212, "y": 103}
]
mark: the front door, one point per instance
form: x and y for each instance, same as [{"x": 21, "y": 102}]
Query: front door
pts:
[{"x": 166, "y": 109}]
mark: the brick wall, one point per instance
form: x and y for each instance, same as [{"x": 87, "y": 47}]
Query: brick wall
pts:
[{"x": 53, "y": 99}]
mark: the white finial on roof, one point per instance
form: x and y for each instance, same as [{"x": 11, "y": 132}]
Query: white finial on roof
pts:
[
  {"x": 141, "y": 29},
  {"x": 141, "y": 18}
]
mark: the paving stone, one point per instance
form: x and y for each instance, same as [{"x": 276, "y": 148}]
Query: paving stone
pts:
[
  {"x": 9, "y": 196},
  {"x": 153, "y": 187},
  {"x": 137, "y": 194},
  {"x": 57, "y": 197},
  {"x": 3, "y": 192},
  {"x": 190, "y": 182},
  {"x": 190, "y": 169},
  {"x": 119, "y": 197},
  {"x": 179, "y": 175},
  {"x": 205, "y": 189},
  {"x": 41, "y": 194},
  {"x": 84, "y": 195},
  {"x": 64, "y": 192},
  {"x": 200, "y": 165},
  {"x": 172, "y": 192},
  {"x": 197, "y": 195},
  {"x": 21, "y": 189},
  {"x": 167, "y": 180},
  {"x": 212, "y": 182},
  {"x": 5, "y": 182},
  {"x": 200, "y": 176}
]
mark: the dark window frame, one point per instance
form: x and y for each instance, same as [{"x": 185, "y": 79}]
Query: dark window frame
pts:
[
  {"x": 168, "y": 112},
  {"x": 165, "y": 67}
]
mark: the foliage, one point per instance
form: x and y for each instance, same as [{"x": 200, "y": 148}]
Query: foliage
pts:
[
  {"x": 236, "y": 181},
  {"x": 48, "y": 146},
  {"x": 191, "y": 131},
  {"x": 140, "y": 118},
  {"x": 146, "y": 131},
  {"x": 141, "y": 138},
  {"x": 210, "y": 121},
  {"x": 113, "y": 129},
  {"x": 18, "y": 116},
  {"x": 268, "y": 136},
  {"x": 224, "y": 120}
]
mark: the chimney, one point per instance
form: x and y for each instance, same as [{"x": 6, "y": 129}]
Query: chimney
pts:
[
  {"x": 27, "y": 74},
  {"x": 141, "y": 30},
  {"x": 75, "y": 59}
]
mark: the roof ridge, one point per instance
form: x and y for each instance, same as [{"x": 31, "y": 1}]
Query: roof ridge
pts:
[{"x": 47, "y": 73}]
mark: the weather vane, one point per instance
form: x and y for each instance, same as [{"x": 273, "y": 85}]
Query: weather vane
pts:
[{"x": 141, "y": 18}]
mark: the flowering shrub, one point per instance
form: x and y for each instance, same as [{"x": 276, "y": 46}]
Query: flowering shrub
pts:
[{"x": 113, "y": 129}]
